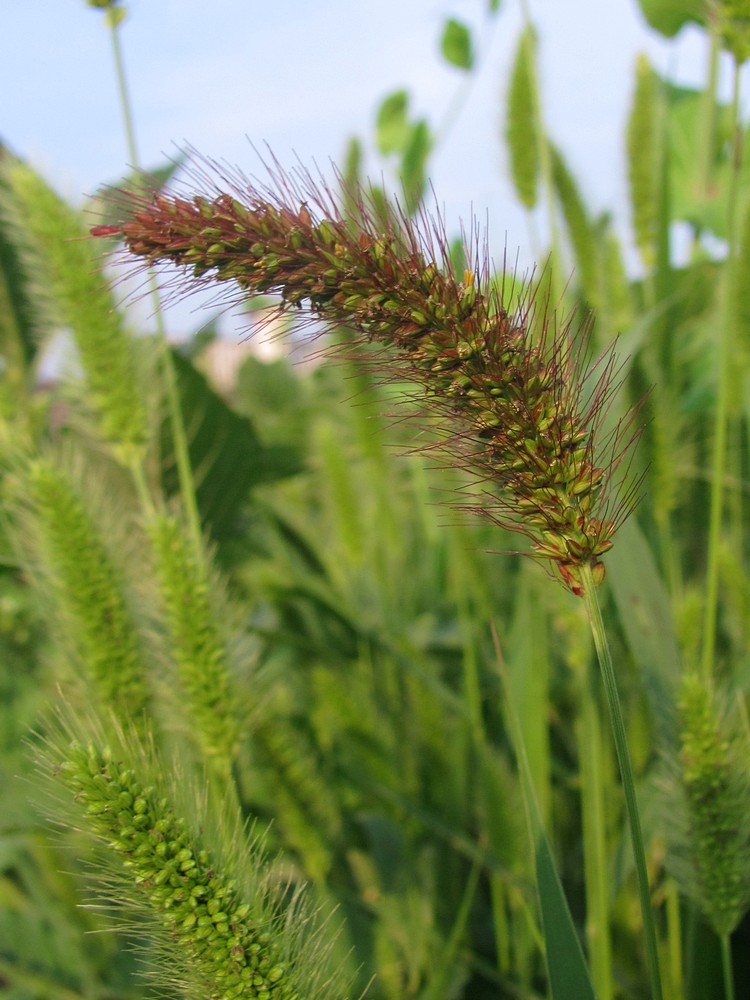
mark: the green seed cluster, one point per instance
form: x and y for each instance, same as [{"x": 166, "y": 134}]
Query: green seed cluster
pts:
[
  {"x": 717, "y": 790},
  {"x": 514, "y": 403},
  {"x": 196, "y": 646},
  {"x": 88, "y": 591},
  {"x": 732, "y": 19},
  {"x": 71, "y": 289},
  {"x": 221, "y": 946}
]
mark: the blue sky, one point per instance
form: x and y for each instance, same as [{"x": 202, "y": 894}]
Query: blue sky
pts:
[{"x": 304, "y": 77}]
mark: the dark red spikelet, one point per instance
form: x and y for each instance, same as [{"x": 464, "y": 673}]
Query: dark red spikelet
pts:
[{"x": 106, "y": 230}]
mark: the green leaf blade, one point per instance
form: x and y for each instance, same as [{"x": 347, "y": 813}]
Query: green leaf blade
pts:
[
  {"x": 392, "y": 125},
  {"x": 455, "y": 45}
]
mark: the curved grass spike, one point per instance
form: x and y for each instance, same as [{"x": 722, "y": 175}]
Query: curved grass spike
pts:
[
  {"x": 521, "y": 128},
  {"x": 714, "y": 847},
  {"x": 90, "y": 604},
  {"x": 517, "y": 411},
  {"x": 227, "y": 941},
  {"x": 644, "y": 160},
  {"x": 195, "y": 643},
  {"x": 69, "y": 286},
  {"x": 710, "y": 854}
]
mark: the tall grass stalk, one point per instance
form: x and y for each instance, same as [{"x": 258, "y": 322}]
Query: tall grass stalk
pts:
[
  {"x": 114, "y": 16},
  {"x": 725, "y": 352},
  {"x": 593, "y": 761},
  {"x": 619, "y": 736}
]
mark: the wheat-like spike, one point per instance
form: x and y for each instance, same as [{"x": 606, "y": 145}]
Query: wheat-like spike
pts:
[{"x": 517, "y": 408}]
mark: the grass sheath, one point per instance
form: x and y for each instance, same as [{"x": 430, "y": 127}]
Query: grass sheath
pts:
[{"x": 518, "y": 408}]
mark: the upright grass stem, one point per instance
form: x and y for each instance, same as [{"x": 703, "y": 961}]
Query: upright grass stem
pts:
[
  {"x": 726, "y": 966},
  {"x": 179, "y": 437},
  {"x": 721, "y": 416},
  {"x": 595, "y": 841},
  {"x": 594, "y": 614}
]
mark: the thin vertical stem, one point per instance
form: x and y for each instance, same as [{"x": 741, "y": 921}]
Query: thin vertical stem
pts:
[
  {"x": 726, "y": 967},
  {"x": 674, "y": 940},
  {"x": 595, "y": 842},
  {"x": 593, "y": 612},
  {"x": 122, "y": 87},
  {"x": 724, "y": 352},
  {"x": 182, "y": 454}
]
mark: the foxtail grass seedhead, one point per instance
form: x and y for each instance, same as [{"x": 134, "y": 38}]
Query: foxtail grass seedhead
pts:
[
  {"x": 713, "y": 855},
  {"x": 195, "y": 644},
  {"x": 516, "y": 408},
  {"x": 72, "y": 294},
  {"x": 732, "y": 20},
  {"x": 229, "y": 948},
  {"x": 90, "y": 605}
]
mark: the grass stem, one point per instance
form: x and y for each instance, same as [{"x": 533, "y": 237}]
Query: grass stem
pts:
[
  {"x": 724, "y": 353},
  {"x": 726, "y": 966},
  {"x": 593, "y": 808},
  {"x": 606, "y": 665},
  {"x": 182, "y": 454}
]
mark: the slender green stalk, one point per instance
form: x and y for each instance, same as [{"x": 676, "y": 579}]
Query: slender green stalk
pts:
[
  {"x": 724, "y": 353},
  {"x": 595, "y": 845},
  {"x": 594, "y": 614},
  {"x": 674, "y": 940},
  {"x": 113, "y": 21},
  {"x": 708, "y": 112},
  {"x": 182, "y": 454},
  {"x": 726, "y": 966}
]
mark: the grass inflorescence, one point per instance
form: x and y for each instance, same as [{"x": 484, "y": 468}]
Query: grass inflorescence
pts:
[
  {"x": 87, "y": 588},
  {"x": 227, "y": 951},
  {"x": 519, "y": 409}
]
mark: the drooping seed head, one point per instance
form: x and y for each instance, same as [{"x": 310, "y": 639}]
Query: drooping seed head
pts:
[{"x": 516, "y": 408}]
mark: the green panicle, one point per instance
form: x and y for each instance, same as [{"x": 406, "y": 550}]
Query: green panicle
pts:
[
  {"x": 195, "y": 642},
  {"x": 733, "y": 27},
  {"x": 306, "y": 810},
  {"x": 715, "y": 782},
  {"x": 645, "y": 159},
  {"x": 615, "y": 299},
  {"x": 521, "y": 127},
  {"x": 580, "y": 229},
  {"x": 226, "y": 947},
  {"x": 90, "y": 604},
  {"x": 17, "y": 324},
  {"x": 66, "y": 269}
]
